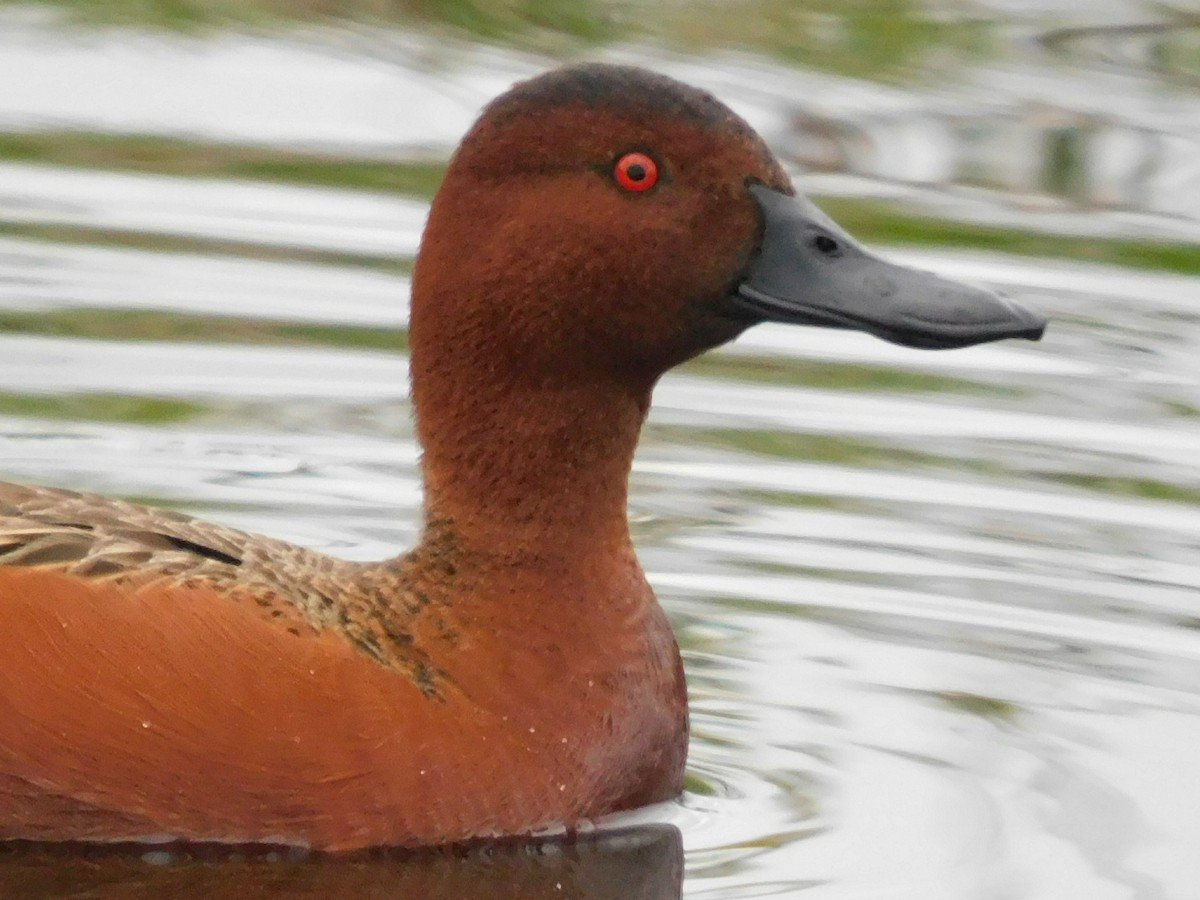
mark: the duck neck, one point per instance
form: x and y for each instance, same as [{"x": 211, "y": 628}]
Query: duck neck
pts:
[{"x": 527, "y": 467}]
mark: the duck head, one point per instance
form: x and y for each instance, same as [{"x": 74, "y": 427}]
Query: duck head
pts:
[
  {"x": 597, "y": 226},
  {"x": 610, "y": 219}
]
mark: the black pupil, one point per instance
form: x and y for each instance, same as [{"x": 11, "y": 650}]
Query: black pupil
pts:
[
  {"x": 635, "y": 172},
  {"x": 825, "y": 244}
]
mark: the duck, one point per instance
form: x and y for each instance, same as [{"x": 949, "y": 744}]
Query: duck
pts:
[{"x": 166, "y": 678}]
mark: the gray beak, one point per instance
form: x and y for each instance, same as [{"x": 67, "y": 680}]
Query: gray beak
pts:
[{"x": 811, "y": 272}]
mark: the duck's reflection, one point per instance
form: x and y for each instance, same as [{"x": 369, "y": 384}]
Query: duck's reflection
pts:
[{"x": 640, "y": 863}]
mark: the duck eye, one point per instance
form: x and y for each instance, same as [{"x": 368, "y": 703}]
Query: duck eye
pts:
[{"x": 636, "y": 172}]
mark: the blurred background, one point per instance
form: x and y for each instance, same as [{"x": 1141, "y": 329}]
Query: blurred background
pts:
[{"x": 940, "y": 611}]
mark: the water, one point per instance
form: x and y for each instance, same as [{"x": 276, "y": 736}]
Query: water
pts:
[{"x": 940, "y": 612}]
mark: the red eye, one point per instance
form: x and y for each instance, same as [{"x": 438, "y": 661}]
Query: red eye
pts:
[{"x": 636, "y": 172}]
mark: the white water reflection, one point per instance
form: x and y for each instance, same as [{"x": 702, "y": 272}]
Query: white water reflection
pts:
[
  {"x": 314, "y": 89},
  {"x": 919, "y": 800},
  {"x": 44, "y": 364},
  {"x": 272, "y": 215},
  {"x": 42, "y": 276}
]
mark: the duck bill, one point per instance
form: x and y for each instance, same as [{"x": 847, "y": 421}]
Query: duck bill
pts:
[{"x": 811, "y": 272}]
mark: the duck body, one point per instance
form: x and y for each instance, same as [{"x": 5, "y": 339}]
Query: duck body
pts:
[
  {"x": 166, "y": 678},
  {"x": 290, "y": 697}
]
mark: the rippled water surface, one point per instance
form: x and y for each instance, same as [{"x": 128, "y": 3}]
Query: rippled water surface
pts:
[{"x": 940, "y": 612}]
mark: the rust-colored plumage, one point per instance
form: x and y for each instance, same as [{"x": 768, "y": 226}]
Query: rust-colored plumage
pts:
[
  {"x": 214, "y": 706},
  {"x": 165, "y": 677}
]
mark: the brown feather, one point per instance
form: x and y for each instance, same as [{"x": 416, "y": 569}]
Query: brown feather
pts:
[
  {"x": 167, "y": 676},
  {"x": 214, "y": 724}
]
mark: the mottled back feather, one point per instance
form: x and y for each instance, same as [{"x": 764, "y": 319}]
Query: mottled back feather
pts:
[
  {"x": 101, "y": 540},
  {"x": 91, "y": 537}
]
